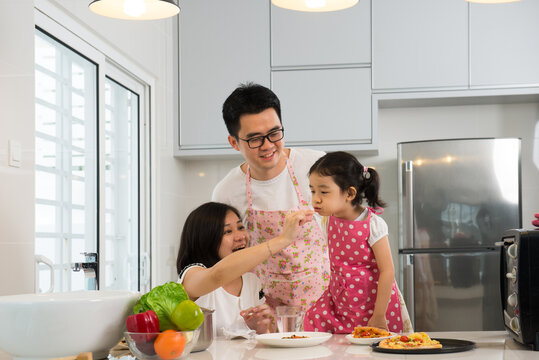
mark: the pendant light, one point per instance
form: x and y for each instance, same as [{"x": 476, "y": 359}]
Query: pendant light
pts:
[
  {"x": 315, "y": 5},
  {"x": 135, "y": 9},
  {"x": 491, "y": 1}
]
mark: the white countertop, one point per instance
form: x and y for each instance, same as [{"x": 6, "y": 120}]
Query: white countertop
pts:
[{"x": 490, "y": 345}]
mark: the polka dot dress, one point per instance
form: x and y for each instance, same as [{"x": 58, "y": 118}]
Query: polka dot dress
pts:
[{"x": 350, "y": 299}]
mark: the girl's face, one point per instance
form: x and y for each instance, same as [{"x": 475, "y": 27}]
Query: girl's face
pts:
[
  {"x": 328, "y": 198},
  {"x": 235, "y": 236}
]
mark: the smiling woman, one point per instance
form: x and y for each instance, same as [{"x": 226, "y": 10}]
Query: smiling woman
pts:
[{"x": 214, "y": 263}]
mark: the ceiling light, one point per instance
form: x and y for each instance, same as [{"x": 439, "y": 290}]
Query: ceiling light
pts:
[
  {"x": 491, "y": 1},
  {"x": 315, "y": 5},
  {"x": 135, "y": 9}
]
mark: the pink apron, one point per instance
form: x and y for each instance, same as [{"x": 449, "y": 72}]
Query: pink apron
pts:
[
  {"x": 298, "y": 274},
  {"x": 349, "y": 301}
]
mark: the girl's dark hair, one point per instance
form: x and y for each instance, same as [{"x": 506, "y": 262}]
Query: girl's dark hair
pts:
[
  {"x": 347, "y": 171},
  {"x": 202, "y": 234}
]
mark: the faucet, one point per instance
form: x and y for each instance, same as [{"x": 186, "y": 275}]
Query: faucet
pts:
[{"x": 91, "y": 270}]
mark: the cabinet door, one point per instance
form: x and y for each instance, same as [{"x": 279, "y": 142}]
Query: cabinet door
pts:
[
  {"x": 325, "y": 107},
  {"x": 420, "y": 44},
  {"x": 219, "y": 47},
  {"x": 324, "y": 38},
  {"x": 504, "y": 44}
]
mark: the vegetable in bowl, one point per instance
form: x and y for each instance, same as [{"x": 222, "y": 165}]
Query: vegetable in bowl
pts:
[{"x": 163, "y": 300}]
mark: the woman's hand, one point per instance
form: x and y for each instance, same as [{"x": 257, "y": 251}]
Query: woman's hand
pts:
[
  {"x": 293, "y": 221},
  {"x": 259, "y": 318},
  {"x": 378, "y": 321}
]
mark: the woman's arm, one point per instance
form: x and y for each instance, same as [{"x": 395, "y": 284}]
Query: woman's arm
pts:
[
  {"x": 200, "y": 281},
  {"x": 382, "y": 253}
]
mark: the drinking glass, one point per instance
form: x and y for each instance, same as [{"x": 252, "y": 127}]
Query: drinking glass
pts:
[{"x": 289, "y": 318}]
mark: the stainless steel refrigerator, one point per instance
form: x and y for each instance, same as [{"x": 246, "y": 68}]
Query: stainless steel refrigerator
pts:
[{"x": 456, "y": 197}]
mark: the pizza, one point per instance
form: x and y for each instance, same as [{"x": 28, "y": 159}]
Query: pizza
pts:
[
  {"x": 411, "y": 341},
  {"x": 369, "y": 332},
  {"x": 294, "y": 336}
]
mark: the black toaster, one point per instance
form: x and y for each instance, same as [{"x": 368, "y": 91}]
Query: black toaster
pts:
[{"x": 519, "y": 281}]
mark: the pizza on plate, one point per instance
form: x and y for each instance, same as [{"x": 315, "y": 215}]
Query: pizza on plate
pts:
[
  {"x": 411, "y": 341},
  {"x": 294, "y": 336},
  {"x": 369, "y": 332}
]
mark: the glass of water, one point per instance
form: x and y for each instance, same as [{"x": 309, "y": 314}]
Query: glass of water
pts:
[{"x": 289, "y": 318}]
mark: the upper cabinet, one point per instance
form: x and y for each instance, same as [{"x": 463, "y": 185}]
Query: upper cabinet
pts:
[
  {"x": 504, "y": 44},
  {"x": 325, "y": 38},
  {"x": 329, "y": 109},
  {"x": 420, "y": 44},
  {"x": 221, "y": 44},
  {"x": 331, "y": 69}
]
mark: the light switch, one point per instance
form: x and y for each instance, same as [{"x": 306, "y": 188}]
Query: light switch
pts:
[{"x": 14, "y": 153}]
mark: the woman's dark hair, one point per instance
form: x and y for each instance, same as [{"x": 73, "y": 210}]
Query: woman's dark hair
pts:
[
  {"x": 202, "y": 234},
  {"x": 248, "y": 98},
  {"x": 347, "y": 171}
]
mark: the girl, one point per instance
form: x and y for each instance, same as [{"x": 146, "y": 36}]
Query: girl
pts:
[
  {"x": 214, "y": 261},
  {"x": 362, "y": 289}
]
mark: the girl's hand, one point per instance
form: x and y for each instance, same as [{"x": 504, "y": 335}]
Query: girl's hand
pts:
[
  {"x": 295, "y": 220},
  {"x": 378, "y": 321},
  {"x": 259, "y": 318}
]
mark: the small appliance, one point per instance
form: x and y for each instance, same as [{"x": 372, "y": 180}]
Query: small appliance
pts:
[{"x": 519, "y": 281}]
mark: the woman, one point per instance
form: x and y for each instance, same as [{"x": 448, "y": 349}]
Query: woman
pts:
[{"x": 214, "y": 261}]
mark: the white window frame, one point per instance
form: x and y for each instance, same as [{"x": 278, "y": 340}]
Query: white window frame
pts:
[{"x": 110, "y": 62}]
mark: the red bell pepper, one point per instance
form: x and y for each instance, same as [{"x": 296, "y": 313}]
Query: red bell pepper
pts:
[{"x": 146, "y": 322}]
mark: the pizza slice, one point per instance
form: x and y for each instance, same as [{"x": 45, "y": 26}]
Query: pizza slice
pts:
[
  {"x": 411, "y": 341},
  {"x": 368, "y": 332}
]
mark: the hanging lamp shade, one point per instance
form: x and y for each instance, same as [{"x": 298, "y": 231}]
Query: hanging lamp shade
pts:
[
  {"x": 491, "y": 1},
  {"x": 315, "y": 5},
  {"x": 135, "y": 9}
]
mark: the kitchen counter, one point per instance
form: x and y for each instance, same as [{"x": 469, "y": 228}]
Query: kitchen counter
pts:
[{"x": 490, "y": 345}]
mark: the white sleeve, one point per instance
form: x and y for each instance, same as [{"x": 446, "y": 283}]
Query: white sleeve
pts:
[
  {"x": 378, "y": 229},
  {"x": 187, "y": 268}
]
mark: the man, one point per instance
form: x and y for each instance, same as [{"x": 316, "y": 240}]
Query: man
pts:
[{"x": 271, "y": 182}]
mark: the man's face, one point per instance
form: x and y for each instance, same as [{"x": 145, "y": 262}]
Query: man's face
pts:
[{"x": 266, "y": 161}]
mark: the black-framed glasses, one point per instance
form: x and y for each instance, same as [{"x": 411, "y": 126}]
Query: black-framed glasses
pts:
[{"x": 258, "y": 141}]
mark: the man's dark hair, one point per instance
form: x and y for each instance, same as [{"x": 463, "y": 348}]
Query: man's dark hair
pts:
[{"x": 248, "y": 98}]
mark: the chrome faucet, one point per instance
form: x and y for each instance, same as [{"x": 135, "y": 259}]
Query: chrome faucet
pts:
[{"x": 91, "y": 270}]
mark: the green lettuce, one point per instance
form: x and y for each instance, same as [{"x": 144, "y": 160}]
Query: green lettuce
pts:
[{"x": 162, "y": 299}]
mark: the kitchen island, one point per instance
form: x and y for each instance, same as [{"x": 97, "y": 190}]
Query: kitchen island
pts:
[{"x": 490, "y": 345}]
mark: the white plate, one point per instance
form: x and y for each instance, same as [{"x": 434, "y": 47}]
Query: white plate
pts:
[
  {"x": 276, "y": 339},
  {"x": 365, "y": 341}
]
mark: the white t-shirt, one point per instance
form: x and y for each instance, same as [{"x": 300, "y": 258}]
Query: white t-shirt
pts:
[
  {"x": 378, "y": 226},
  {"x": 274, "y": 194},
  {"x": 227, "y": 306}
]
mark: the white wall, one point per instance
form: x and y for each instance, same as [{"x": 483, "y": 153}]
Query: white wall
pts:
[{"x": 17, "y": 123}]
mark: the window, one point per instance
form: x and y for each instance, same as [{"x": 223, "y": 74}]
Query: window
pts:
[{"x": 90, "y": 189}]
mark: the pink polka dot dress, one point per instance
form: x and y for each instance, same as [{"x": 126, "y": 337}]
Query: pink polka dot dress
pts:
[{"x": 350, "y": 299}]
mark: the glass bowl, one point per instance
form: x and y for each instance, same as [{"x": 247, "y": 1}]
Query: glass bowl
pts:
[{"x": 171, "y": 345}]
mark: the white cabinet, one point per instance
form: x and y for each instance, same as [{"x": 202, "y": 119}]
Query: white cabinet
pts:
[
  {"x": 221, "y": 44},
  {"x": 504, "y": 44},
  {"x": 325, "y": 38},
  {"x": 328, "y": 109},
  {"x": 420, "y": 44}
]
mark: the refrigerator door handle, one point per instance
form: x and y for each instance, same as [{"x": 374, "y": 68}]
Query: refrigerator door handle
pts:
[
  {"x": 408, "y": 286},
  {"x": 408, "y": 215}
]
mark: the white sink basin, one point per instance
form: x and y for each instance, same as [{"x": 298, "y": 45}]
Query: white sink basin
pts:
[{"x": 40, "y": 326}]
